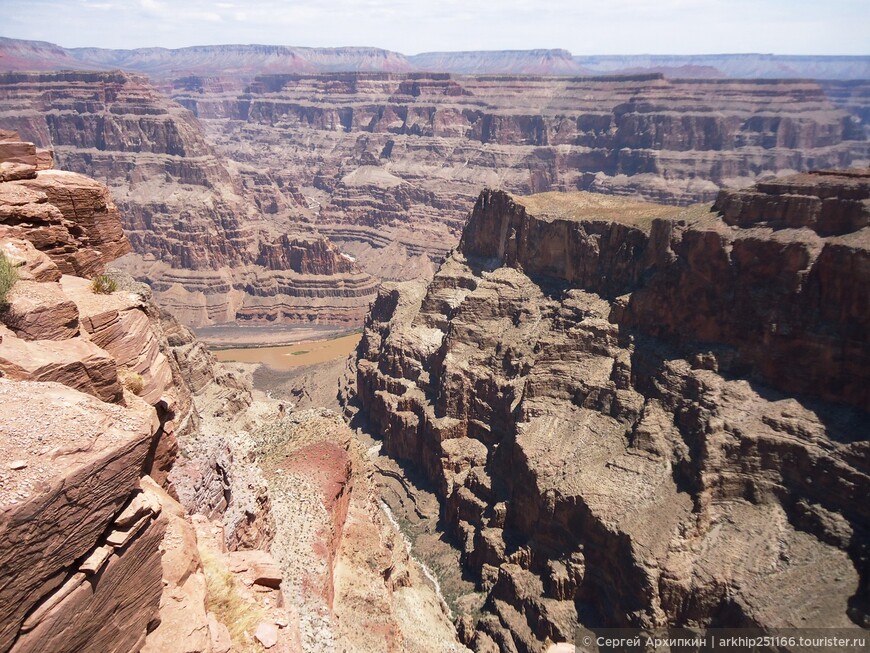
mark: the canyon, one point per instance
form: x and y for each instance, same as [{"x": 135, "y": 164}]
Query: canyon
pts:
[
  {"x": 644, "y": 406},
  {"x": 636, "y": 415},
  {"x": 254, "y": 198},
  {"x": 196, "y": 225},
  {"x": 149, "y": 500},
  {"x": 389, "y": 161}
]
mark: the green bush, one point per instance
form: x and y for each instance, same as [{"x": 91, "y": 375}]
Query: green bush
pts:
[
  {"x": 103, "y": 284},
  {"x": 8, "y": 277}
]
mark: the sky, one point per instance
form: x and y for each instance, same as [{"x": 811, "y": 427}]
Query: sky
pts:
[{"x": 413, "y": 26}]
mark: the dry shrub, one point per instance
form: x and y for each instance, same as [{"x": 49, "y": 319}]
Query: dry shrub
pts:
[
  {"x": 238, "y": 614},
  {"x": 131, "y": 380},
  {"x": 8, "y": 277},
  {"x": 103, "y": 284}
]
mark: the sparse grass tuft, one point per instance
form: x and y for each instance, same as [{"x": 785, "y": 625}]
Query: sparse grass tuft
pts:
[
  {"x": 131, "y": 380},
  {"x": 103, "y": 284},
  {"x": 8, "y": 277},
  {"x": 238, "y": 614}
]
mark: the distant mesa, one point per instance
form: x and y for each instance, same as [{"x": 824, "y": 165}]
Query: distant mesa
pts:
[{"x": 247, "y": 60}]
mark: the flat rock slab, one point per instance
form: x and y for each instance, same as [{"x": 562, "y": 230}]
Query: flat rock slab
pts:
[
  {"x": 258, "y": 566},
  {"x": 83, "y": 464},
  {"x": 266, "y": 634},
  {"x": 76, "y": 363},
  {"x": 41, "y": 311}
]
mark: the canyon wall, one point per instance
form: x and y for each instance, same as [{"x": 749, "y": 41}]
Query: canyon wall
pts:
[
  {"x": 222, "y": 208},
  {"x": 196, "y": 225},
  {"x": 387, "y": 162},
  {"x": 90, "y": 403},
  {"x": 638, "y": 415}
]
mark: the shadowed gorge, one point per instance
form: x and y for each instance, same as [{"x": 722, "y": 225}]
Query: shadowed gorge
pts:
[
  {"x": 641, "y": 416},
  {"x": 149, "y": 499}
]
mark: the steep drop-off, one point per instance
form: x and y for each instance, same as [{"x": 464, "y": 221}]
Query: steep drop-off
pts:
[
  {"x": 148, "y": 500},
  {"x": 196, "y": 225},
  {"x": 387, "y": 162},
  {"x": 637, "y": 415},
  {"x": 91, "y": 399}
]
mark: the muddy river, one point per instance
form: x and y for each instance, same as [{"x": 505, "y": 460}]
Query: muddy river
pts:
[{"x": 287, "y": 357}]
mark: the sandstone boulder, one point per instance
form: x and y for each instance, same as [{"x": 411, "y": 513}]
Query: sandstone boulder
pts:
[
  {"x": 259, "y": 567},
  {"x": 266, "y": 634},
  {"x": 119, "y": 324},
  {"x": 17, "y": 160},
  {"x": 27, "y": 214},
  {"x": 31, "y": 264},
  {"x": 85, "y": 203}
]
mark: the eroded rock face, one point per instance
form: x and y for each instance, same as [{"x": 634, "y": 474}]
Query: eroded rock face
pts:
[
  {"x": 196, "y": 225},
  {"x": 93, "y": 553},
  {"x": 388, "y": 162},
  {"x": 72, "y": 488},
  {"x": 640, "y": 416},
  {"x": 68, "y": 216}
]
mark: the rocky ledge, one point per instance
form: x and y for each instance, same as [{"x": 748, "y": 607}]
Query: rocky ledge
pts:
[
  {"x": 97, "y": 553},
  {"x": 90, "y": 400},
  {"x": 637, "y": 415}
]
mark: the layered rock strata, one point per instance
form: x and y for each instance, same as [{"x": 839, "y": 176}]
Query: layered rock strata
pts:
[
  {"x": 89, "y": 406},
  {"x": 387, "y": 162},
  {"x": 96, "y": 389},
  {"x": 196, "y": 225},
  {"x": 638, "y": 415}
]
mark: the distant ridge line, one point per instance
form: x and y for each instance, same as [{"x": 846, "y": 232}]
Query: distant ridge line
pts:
[{"x": 244, "y": 62}]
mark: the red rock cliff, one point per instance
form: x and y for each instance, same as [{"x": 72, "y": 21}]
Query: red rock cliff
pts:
[{"x": 94, "y": 554}]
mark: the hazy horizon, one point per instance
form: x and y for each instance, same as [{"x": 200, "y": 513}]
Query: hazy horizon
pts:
[{"x": 623, "y": 27}]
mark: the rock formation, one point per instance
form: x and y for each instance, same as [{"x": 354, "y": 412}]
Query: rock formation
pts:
[
  {"x": 88, "y": 413},
  {"x": 383, "y": 164},
  {"x": 345, "y": 564},
  {"x": 197, "y": 227},
  {"x": 387, "y": 162},
  {"x": 638, "y": 415},
  {"x": 141, "y": 483}
]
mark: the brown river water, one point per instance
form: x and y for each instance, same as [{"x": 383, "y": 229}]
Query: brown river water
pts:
[{"x": 287, "y": 357}]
